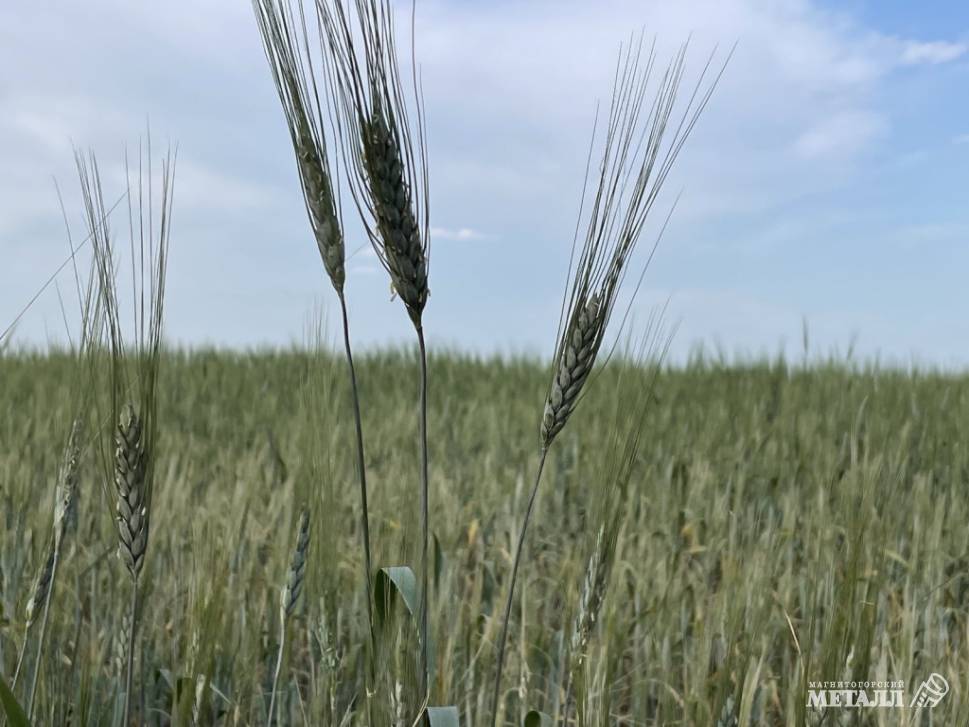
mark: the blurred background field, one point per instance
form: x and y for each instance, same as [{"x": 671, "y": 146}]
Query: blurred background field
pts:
[{"x": 786, "y": 523}]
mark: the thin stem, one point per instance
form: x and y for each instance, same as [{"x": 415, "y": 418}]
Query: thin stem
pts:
[
  {"x": 361, "y": 468},
  {"x": 425, "y": 524},
  {"x": 364, "y": 508},
  {"x": 279, "y": 668},
  {"x": 568, "y": 702},
  {"x": 131, "y": 651},
  {"x": 43, "y": 633},
  {"x": 20, "y": 660},
  {"x": 16, "y": 673},
  {"x": 511, "y": 590}
]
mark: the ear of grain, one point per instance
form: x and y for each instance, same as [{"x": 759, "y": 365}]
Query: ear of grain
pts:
[
  {"x": 639, "y": 147},
  {"x": 384, "y": 149},
  {"x": 590, "y": 599},
  {"x": 65, "y": 505},
  {"x": 289, "y": 597},
  {"x": 322, "y": 212},
  {"x": 38, "y": 595},
  {"x": 401, "y": 244},
  {"x": 297, "y": 569},
  {"x": 581, "y": 344},
  {"x": 129, "y": 479},
  {"x": 285, "y": 41}
]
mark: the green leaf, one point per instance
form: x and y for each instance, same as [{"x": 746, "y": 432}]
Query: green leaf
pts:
[
  {"x": 399, "y": 580},
  {"x": 391, "y": 582},
  {"x": 15, "y": 713},
  {"x": 537, "y": 719},
  {"x": 442, "y": 717}
]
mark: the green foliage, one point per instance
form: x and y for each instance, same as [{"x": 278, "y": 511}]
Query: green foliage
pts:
[
  {"x": 16, "y": 717},
  {"x": 391, "y": 582}
]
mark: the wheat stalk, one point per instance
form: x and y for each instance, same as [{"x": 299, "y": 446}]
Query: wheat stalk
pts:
[
  {"x": 386, "y": 161},
  {"x": 63, "y": 512},
  {"x": 637, "y": 156},
  {"x": 288, "y": 599},
  {"x": 288, "y": 50},
  {"x": 133, "y": 373},
  {"x": 65, "y": 495}
]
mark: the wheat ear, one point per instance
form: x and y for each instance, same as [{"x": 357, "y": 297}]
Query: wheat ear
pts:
[
  {"x": 285, "y": 41},
  {"x": 130, "y": 463},
  {"x": 401, "y": 243},
  {"x": 38, "y": 596},
  {"x": 65, "y": 496},
  {"x": 382, "y": 142},
  {"x": 384, "y": 152},
  {"x": 591, "y": 598},
  {"x": 636, "y": 158},
  {"x": 288, "y": 598}
]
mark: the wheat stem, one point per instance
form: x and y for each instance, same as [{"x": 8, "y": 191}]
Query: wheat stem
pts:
[
  {"x": 425, "y": 517},
  {"x": 63, "y": 510},
  {"x": 364, "y": 507},
  {"x": 20, "y": 660},
  {"x": 511, "y": 589},
  {"x": 361, "y": 467},
  {"x": 279, "y": 669},
  {"x": 31, "y": 692},
  {"x": 130, "y": 670},
  {"x": 16, "y": 673}
]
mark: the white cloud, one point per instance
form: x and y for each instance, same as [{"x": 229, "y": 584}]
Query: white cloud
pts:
[
  {"x": 844, "y": 134},
  {"x": 935, "y": 52}
]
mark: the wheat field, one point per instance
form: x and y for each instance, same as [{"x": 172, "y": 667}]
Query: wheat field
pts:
[{"x": 783, "y": 524}]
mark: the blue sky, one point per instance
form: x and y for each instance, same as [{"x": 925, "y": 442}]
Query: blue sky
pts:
[{"x": 826, "y": 183}]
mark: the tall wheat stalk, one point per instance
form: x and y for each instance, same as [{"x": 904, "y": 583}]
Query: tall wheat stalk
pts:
[
  {"x": 286, "y": 41},
  {"x": 636, "y": 158},
  {"x": 130, "y": 458},
  {"x": 384, "y": 151},
  {"x": 66, "y": 488},
  {"x": 289, "y": 597},
  {"x": 63, "y": 511},
  {"x": 612, "y": 502}
]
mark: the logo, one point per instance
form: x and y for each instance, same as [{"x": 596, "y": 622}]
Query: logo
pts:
[
  {"x": 876, "y": 695},
  {"x": 931, "y": 692}
]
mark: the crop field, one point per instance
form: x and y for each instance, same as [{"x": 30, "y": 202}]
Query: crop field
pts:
[
  {"x": 780, "y": 525},
  {"x": 374, "y": 529}
]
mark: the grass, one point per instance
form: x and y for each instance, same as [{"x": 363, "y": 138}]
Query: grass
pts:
[{"x": 784, "y": 524}]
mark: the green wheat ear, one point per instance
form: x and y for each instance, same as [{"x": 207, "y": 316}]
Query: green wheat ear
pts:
[
  {"x": 637, "y": 155},
  {"x": 382, "y": 143}
]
